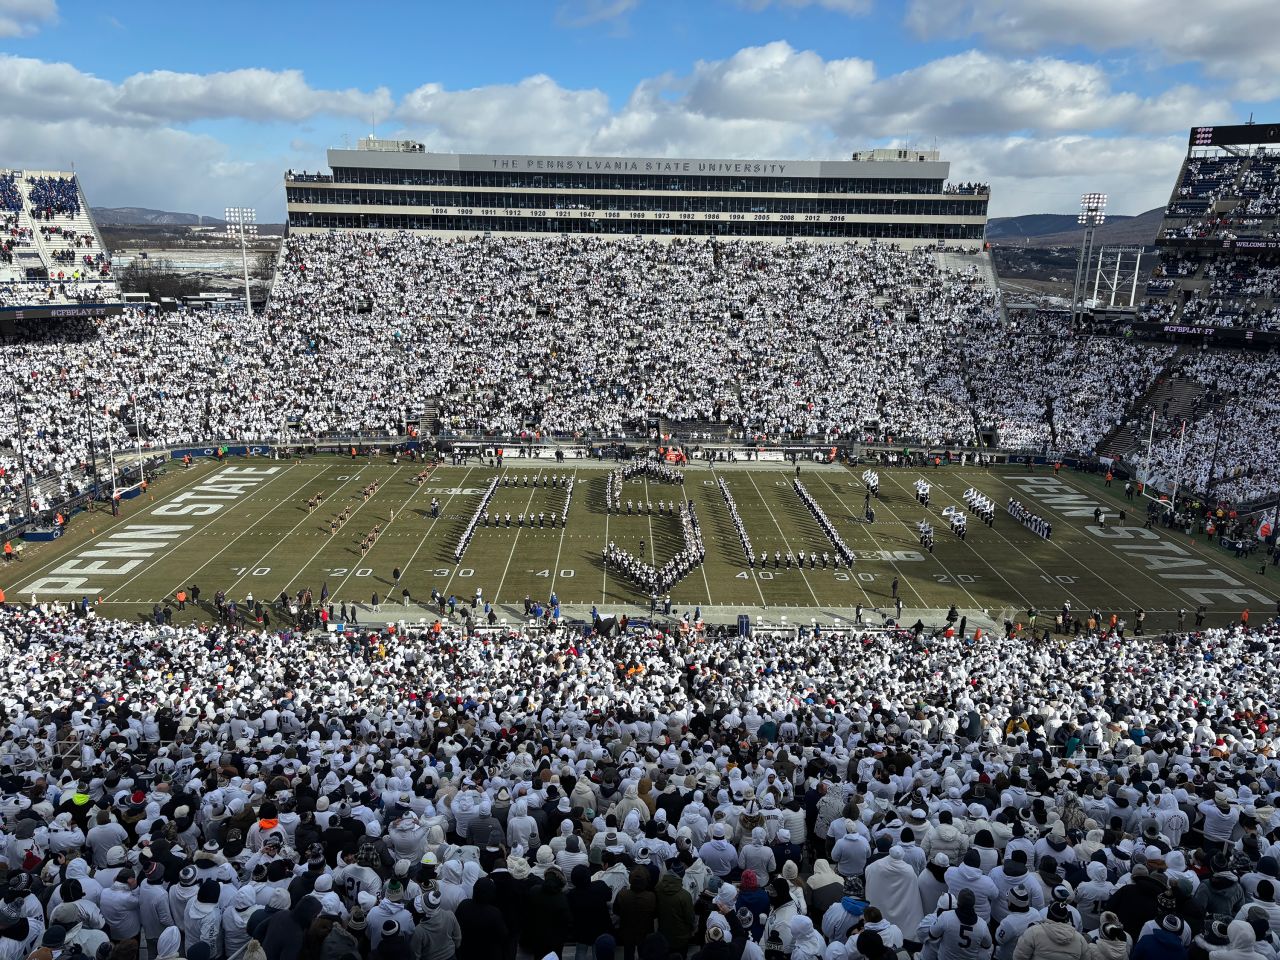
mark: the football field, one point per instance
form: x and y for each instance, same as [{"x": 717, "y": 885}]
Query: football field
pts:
[{"x": 244, "y": 527}]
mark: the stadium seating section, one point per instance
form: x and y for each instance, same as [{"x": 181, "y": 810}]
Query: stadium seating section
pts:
[{"x": 50, "y": 250}]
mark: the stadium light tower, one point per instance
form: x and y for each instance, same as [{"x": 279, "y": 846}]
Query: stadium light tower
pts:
[
  {"x": 1092, "y": 215},
  {"x": 242, "y": 222}
]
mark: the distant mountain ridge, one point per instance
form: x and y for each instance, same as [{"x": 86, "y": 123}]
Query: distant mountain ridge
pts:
[
  {"x": 146, "y": 217},
  {"x": 1061, "y": 229}
]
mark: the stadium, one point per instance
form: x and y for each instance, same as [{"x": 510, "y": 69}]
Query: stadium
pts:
[{"x": 666, "y": 555}]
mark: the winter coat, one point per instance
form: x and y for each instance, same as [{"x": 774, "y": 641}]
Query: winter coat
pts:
[
  {"x": 1135, "y": 903},
  {"x": 965, "y": 877},
  {"x": 1109, "y": 949},
  {"x": 674, "y": 913},
  {"x": 340, "y": 945},
  {"x": 484, "y": 931},
  {"x": 1242, "y": 941},
  {"x": 1160, "y": 945},
  {"x": 436, "y": 937},
  {"x": 548, "y": 920},
  {"x": 720, "y": 856},
  {"x": 589, "y": 902},
  {"x": 1051, "y": 940},
  {"x": 631, "y": 802},
  {"x": 235, "y": 920},
  {"x": 945, "y": 838},
  {"x": 283, "y": 934},
  {"x": 636, "y": 908},
  {"x": 1220, "y": 896}
]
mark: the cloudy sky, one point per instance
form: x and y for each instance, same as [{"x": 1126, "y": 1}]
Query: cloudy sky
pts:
[{"x": 194, "y": 107}]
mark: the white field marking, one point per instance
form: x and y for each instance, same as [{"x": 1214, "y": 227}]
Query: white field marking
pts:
[{"x": 195, "y": 533}]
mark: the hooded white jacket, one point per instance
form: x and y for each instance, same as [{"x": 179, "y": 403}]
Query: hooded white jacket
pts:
[
  {"x": 235, "y": 920},
  {"x": 1242, "y": 942},
  {"x": 1092, "y": 896}
]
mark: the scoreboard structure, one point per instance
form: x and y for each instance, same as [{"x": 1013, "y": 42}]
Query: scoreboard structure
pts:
[{"x": 1233, "y": 135}]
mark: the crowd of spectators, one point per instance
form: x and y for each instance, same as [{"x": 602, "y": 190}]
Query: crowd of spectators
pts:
[
  {"x": 686, "y": 331},
  {"x": 1075, "y": 792},
  {"x": 572, "y": 337},
  {"x": 10, "y": 195},
  {"x": 1236, "y": 424},
  {"x": 51, "y": 197},
  {"x": 12, "y": 235},
  {"x": 1046, "y": 388}
]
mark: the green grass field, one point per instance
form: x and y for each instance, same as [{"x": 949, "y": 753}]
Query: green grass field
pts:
[{"x": 223, "y": 527}]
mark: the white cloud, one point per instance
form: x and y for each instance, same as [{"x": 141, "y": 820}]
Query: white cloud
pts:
[
  {"x": 35, "y": 88},
  {"x": 251, "y": 94},
  {"x": 975, "y": 93},
  {"x": 1233, "y": 40},
  {"x": 533, "y": 116},
  {"x": 1045, "y": 175},
  {"x": 777, "y": 82},
  {"x": 159, "y": 167},
  {"x": 1041, "y": 129},
  {"x": 22, "y": 18}
]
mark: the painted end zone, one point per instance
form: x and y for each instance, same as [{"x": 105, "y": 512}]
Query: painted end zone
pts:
[
  {"x": 1152, "y": 552},
  {"x": 91, "y": 570}
]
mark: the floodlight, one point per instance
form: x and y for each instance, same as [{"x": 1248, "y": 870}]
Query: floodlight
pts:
[{"x": 1092, "y": 207}]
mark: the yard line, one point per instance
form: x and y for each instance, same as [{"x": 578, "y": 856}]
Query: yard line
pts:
[
  {"x": 563, "y": 527},
  {"x": 112, "y": 522},
  {"x": 417, "y": 488},
  {"x": 785, "y": 542},
  {"x": 897, "y": 573},
  {"x": 950, "y": 575},
  {"x": 515, "y": 541},
  {"x": 328, "y": 538},
  {"x": 432, "y": 526},
  {"x": 604, "y": 584},
  {"x": 212, "y": 520},
  {"x": 763, "y": 602},
  {"x": 278, "y": 505},
  {"x": 992, "y": 567},
  {"x": 653, "y": 546},
  {"x": 684, "y": 496}
]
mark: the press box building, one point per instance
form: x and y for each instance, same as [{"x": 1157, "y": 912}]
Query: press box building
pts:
[{"x": 897, "y": 196}]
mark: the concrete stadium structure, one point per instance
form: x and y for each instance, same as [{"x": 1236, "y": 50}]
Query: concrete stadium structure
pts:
[{"x": 897, "y": 196}]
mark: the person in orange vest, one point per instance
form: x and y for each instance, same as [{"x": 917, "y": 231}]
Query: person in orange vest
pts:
[
  {"x": 8, "y": 551},
  {"x": 59, "y": 519},
  {"x": 181, "y": 597},
  {"x": 353, "y": 453},
  {"x": 1, "y": 596},
  {"x": 1109, "y": 478},
  {"x": 1057, "y": 465},
  {"x": 1244, "y": 617}
]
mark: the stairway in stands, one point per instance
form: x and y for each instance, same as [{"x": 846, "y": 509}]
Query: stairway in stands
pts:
[
  {"x": 964, "y": 264},
  {"x": 429, "y": 418},
  {"x": 1129, "y": 440},
  {"x": 26, "y": 254}
]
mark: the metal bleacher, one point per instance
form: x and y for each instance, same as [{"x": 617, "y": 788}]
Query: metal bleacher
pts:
[{"x": 49, "y": 260}]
